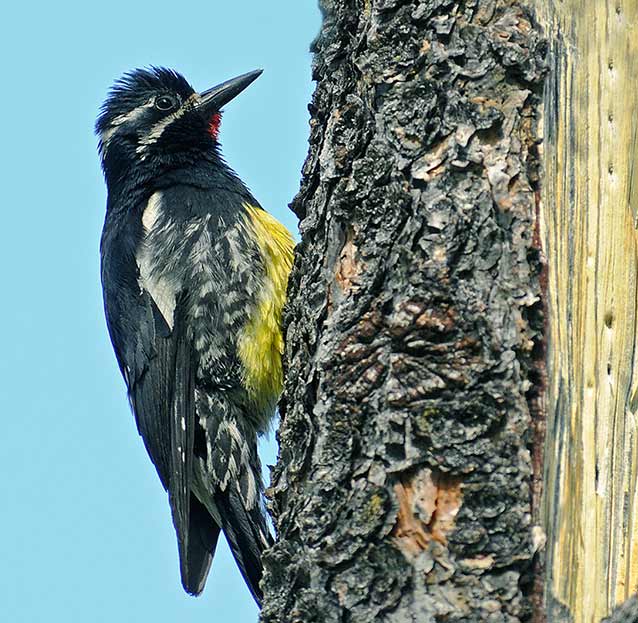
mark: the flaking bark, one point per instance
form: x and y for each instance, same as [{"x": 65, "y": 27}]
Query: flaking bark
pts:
[{"x": 404, "y": 489}]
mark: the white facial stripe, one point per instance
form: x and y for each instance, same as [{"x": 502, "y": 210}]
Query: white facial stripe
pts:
[
  {"x": 136, "y": 113},
  {"x": 158, "y": 129}
]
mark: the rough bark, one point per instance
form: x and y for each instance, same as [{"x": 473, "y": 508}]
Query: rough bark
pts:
[
  {"x": 626, "y": 613},
  {"x": 404, "y": 489}
]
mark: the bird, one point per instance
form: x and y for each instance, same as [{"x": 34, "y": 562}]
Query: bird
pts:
[{"x": 194, "y": 275}]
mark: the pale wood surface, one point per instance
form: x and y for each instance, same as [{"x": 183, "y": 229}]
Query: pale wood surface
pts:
[{"x": 589, "y": 216}]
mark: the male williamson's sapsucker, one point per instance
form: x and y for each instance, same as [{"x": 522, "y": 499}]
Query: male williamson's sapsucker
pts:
[{"x": 194, "y": 274}]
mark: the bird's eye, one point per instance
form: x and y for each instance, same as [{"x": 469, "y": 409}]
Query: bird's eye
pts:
[{"x": 165, "y": 102}]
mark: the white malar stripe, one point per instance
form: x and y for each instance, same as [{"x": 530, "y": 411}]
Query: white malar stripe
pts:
[
  {"x": 158, "y": 129},
  {"x": 161, "y": 288}
]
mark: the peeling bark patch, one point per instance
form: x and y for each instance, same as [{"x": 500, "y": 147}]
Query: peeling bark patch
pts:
[
  {"x": 428, "y": 505},
  {"x": 348, "y": 268}
]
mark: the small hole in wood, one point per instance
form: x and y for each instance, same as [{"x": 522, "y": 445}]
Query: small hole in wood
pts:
[{"x": 609, "y": 319}]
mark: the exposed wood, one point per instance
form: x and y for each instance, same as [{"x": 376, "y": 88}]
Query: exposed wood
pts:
[
  {"x": 589, "y": 216},
  {"x": 404, "y": 487},
  {"x": 428, "y": 505}
]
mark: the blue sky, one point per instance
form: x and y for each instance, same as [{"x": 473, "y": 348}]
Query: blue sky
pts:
[{"x": 85, "y": 525}]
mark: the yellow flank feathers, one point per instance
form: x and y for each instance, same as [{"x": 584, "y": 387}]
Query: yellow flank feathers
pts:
[{"x": 261, "y": 342}]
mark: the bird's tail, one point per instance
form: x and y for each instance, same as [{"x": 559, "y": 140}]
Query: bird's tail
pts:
[
  {"x": 227, "y": 480},
  {"x": 196, "y": 558},
  {"x": 247, "y": 535}
]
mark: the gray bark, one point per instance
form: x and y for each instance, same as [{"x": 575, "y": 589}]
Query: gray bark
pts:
[
  {"x": 405, "y": 485},
  {"x": 626, "y": 613}
]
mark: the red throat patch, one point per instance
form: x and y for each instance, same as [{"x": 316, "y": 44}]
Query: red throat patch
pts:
[{"x": 213, "y": 126}]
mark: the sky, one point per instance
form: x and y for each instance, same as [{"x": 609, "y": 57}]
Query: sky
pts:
[{"x": 85, "y": 526}]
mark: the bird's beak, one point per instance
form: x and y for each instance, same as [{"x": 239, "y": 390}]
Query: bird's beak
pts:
[{"x": 213, "y": 99}]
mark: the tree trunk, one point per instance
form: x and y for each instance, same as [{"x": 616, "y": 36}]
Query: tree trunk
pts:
[{"x": 405, "y": 488}]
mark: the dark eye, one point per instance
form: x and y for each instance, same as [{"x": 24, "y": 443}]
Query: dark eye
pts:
[{"x": 165, "y": 102}]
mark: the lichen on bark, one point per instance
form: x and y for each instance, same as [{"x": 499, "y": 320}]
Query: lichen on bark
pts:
[{"x": 403, "y": 489}]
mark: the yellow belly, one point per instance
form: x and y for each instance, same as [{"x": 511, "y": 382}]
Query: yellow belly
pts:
[{"x": 261, "y": 342}]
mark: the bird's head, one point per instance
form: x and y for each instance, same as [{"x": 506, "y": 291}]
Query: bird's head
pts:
[{"x": 155, "y": 113}]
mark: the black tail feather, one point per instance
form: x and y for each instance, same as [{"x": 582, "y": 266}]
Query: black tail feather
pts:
[
  {"x": 247, "y": 535},
  {"x": 203, "y": 533}
]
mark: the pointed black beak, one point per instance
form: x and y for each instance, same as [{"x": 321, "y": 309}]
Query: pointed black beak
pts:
[{"x": 213, "y": 99}]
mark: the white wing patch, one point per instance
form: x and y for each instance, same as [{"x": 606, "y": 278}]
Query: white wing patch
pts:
[
  {"x": 161, "y": 288},
  {"x": 151, "y": 212}
]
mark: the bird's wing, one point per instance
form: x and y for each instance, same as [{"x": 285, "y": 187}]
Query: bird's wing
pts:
[
  {"x": 187, "y": 394},
  {"x": 138, "y": 335},
  {"x": 156, "y": 362}
]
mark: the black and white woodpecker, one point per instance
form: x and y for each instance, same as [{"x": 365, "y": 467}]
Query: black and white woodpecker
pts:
[{"x": 194, "y": 274}]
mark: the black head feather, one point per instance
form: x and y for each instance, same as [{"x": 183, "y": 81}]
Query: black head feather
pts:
[
  {"x": 135, "y": 87},
  {"x": 154, "y": 123}
]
